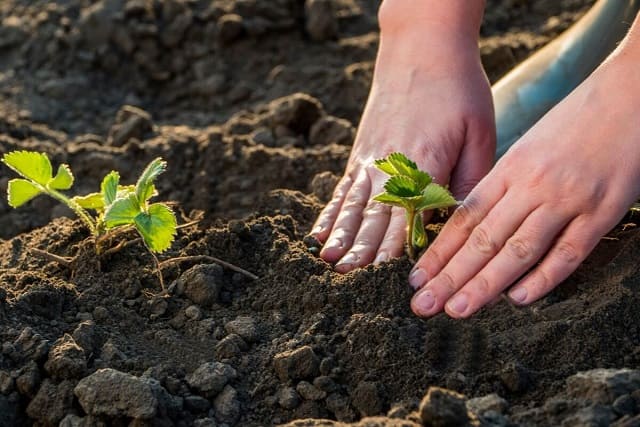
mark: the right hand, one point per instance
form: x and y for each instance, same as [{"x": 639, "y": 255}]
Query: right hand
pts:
[{"x": 430, "y": 100}]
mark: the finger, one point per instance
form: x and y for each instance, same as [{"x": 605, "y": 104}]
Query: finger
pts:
[
  {"x": 349, "y": 218},
  {"x": 392, "y": 245},
  {"x": 485, "y": 241},
  {"x": 526, "y": 245},
  {"x": 375, "y": 219},
  {"x": 455, "y": 232},
  {"x": 327, "y": 217},
  {"x": 520, "y": 252},
  {"x": 571, "y": 248},
  {"x": 474, "y": 162}
]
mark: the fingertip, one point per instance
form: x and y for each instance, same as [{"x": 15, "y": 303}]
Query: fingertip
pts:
[
  {"x": 333, "y": 250},
  {"x": 423, "y": 303},
  {"x": 519, "y": 295}
]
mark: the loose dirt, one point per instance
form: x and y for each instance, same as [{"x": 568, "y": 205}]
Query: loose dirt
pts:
[{"x": 255, "y": 105}]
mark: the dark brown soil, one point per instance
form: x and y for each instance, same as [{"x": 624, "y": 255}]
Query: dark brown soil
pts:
[{"x": 256, "y": 115}]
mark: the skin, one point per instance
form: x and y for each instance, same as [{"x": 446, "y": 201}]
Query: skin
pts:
[
  {"x": 582, "y": 163},
  {"x": 435, "y": 108},
  {"x": 581, "y": 166}
]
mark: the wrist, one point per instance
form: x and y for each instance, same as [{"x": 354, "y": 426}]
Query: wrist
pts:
[{"x": 456, "y": 20}]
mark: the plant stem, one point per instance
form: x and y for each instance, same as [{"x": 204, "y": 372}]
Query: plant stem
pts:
[
  {"x": 411, "y": 216},
  {"x": 82, "y": 214}
]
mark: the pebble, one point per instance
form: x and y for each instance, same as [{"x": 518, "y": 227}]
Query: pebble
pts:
[
  {"x": 296, "y": 364},
  {"x": 211, "y": 377}
]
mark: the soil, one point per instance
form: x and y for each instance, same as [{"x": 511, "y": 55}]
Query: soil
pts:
[{"x": 255, "y": 106}]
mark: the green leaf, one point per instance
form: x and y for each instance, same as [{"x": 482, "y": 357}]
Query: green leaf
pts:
[
  {"x": 157, "y": 227},
  {"x": 63, "y": 179},
  {"x": 402, "y": 186},
  {"x": 399, "y": 164},
  {"x": 109, "y": 187},
  {"x": 122, "y": 211},
  {"x": 93, "y": 201},
  {"x": 144, "y": 186},
  {"x": 435, "y": 196},
  {"x": 390, "y": 199},
  {"x": 31, "y": 165},
  {"x": 20, "y": 191}
]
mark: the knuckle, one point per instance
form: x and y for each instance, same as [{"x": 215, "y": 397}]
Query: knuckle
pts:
[
  {"x": 465, "y": 216},
  {"x": 567, "y": 252},
  {"x": 446, "y": 281},
  {"x": 374, "y": 209},
  {"x": 519, "y": 248},
  {"x": 481, "y": 241},
  {"x": 354, "y": 202},
  {"x": 482, "y": 285}
]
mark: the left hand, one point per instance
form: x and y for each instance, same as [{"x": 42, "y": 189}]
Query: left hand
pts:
[{"x": 544, "y": 206}]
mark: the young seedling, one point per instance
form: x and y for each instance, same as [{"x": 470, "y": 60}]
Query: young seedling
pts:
[
  {"x": 115, "y": 206},
  {"x": 414, "y": 190}
]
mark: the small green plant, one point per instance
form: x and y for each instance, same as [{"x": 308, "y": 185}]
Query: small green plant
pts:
[
  {"x": 414, "y": 190},
  {"x": 115, "y": 206}
]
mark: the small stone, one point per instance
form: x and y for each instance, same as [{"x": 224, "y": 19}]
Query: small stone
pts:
[
  {"x": 444, "y": 408},
  {"x": 367, "y": 398},
  {"x": 515, "y": 377},
  {"x": 230, "y": 28},
  {"x": 288, "y": 398},
  {"x": 111, "y": 353},
  {"x": 325, "y": 383},
  {"x": 112, "y": 393},
  {"x": 131, "y": 122},
  {"x": 197, "y": 404},
  {"x": 84, "y": 336},
  {"x": 52, "y": 402},
  {"x": 340, "y": 406},
  {"x": 296, "y": 364},
  {"x": 594, "y": 415},
  {"x": 624, "y": 405},
  {"x": 66, "y": 359},
  {"x": 490, "y": 402},
  {"x": 309, "y": 392},
  {"x": 244, "y": 326},
  {"x": 28, "y": 381},
  {"x": 230, "y": 346},
  {"x": 157, "y": 307},
  {"x": 603, "y": 385},
  {"x": 193, "y": 312},
  {"x": 227, "y": 406},
  {"x": 210, "y": 378},
  {"x": 201, "y": 284},
  {"x": 321, "y": 23}
]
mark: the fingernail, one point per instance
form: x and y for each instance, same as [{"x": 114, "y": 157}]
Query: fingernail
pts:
[
  {"x": 317, "y": 229},
  {"x": 519, "y": 295},
  {"x": 417, "y": 278},
  {"x": 424, "y": 302},
  {"x": 458, "y": 304},
  {"x": 334, "y": 243},
  {"x": 349, "y": 258},
  {"x": 382, "y": 257}
]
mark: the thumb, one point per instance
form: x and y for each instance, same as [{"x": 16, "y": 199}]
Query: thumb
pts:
[{"x": 475, "y": 161}]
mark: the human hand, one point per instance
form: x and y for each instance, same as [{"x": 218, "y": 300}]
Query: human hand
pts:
[
  {"x": 544, "y": 206},
  {"x": 432, "y": 104}
]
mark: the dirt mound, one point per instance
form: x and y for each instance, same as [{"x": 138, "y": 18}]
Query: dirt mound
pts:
[{"x": 254, "y": 105}]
